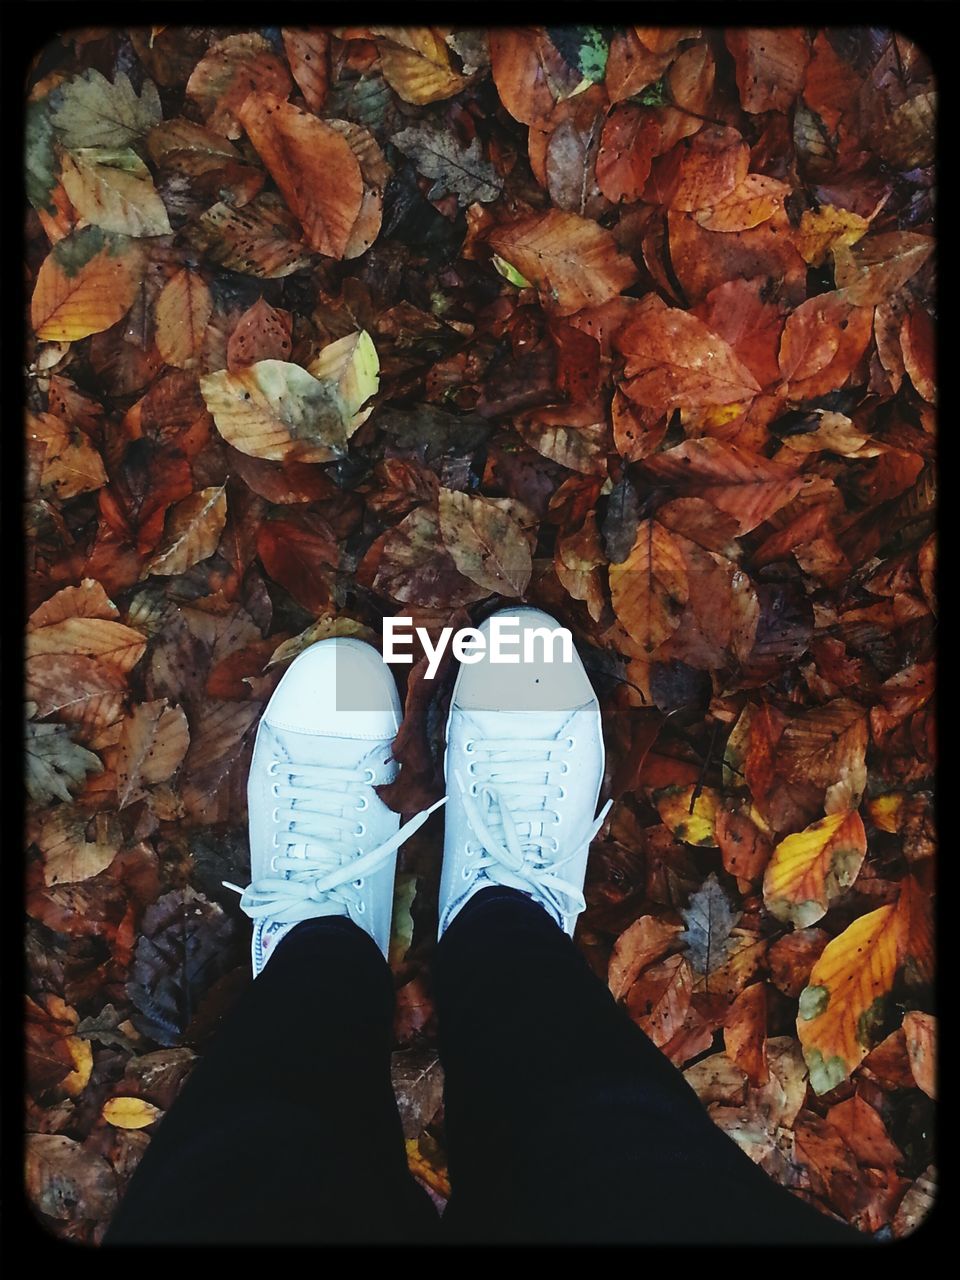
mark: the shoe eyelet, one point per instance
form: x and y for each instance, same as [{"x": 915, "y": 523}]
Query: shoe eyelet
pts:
[
  {"x": 273, "y": 769},
  {"x": 275, "y": 790},
  {"x": 275, "y": 842},
  {"x": 273, "y": 863},
  {"x": 554, "y": 844},
  {"x": 557, "y": 819},
  {"x": 275, "y": 816},
  {"x": 361, "y": 908},
  {"x": 570, "y": 743},
  {"x": 474, "y": 789},
  {"x": 469, "y": 747},
  {"x": 362, "y": 803},
  {"x": 564, "y": 767},
  {"x": 358, "y": 884},
  {"x": 471, "y": 771},
  {"x": 369, "y": 774},
  {"x": 361, "y": 829},
  {"x": 466, "y": 874},
  {"x": 563, "y": 794}
]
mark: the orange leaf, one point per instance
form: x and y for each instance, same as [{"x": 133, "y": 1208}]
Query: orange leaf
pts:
[
  {"x": 843, "y": 1001},
  {"x": 313, "y": 166},
  {"x": 771, "y": 62},
  {"x": 306, "y": 50},
  {"x": 86, "y": 283},
  {"x": 573, "y": 262},
  {"x": 811, "y": 868},
  {"x": 674, "y": 360}
]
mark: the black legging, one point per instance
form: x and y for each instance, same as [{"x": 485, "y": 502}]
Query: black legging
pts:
[{"x": 564, "y": 1122}]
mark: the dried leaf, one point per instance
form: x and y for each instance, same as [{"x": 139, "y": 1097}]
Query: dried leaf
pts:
[
  {"x": 183, "y": 312},
  {"x": 313, "y": 166},
  {"x": 192, "y": 532},
  {"x": 485, "y": 542},
  {"x": 572, "y": 262},
  {"x": 810, "y": 869},
  {"x": 86, "y": 284}
]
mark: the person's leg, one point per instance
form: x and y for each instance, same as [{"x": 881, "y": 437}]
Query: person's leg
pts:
[
  {"x": 288, "y": 1129},
  {"x": 564, "y": 1122}
]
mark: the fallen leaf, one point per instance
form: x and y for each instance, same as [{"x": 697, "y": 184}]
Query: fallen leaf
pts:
[
  {"x": 92, "y": 111},
  {"x": 232, "y": 69},
  {"x": 87, "y": 283},
  {"x": 193, "y": 531},
  {"x": 649, "y": 588},
  {"x": 113, "y": 189},
  {"x": 485, "y": 542},
  {"x": 277, "y": 411},
  {"x": 183, "y": 312},
  {"x": 130, "y": 1113},
  {"x": 152, "y": 744},
  {"x": 313, "y": 166},
  {"x": 745, "y": 1033},
  {"x": 920, "y": 1030},
  {"x": 709, "y": 918},
  {"x": 843, "y": 1001},
  {"x": 571, "y": 261},
  {"x": 811, "y": 868},
  {"x": 642, "y": 943}
]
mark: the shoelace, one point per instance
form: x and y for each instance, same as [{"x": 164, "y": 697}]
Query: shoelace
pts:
[
  {"x": 511, "y": 788},
  {"x": 320, "y": 870}
]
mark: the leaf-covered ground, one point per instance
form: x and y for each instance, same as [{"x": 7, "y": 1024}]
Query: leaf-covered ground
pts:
[{"x": 636, "y": 325}]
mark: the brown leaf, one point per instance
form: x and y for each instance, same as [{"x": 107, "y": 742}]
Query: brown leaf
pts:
[
  {"x": 746, "y": 486},
  {"x": 920, "y": 1030},
  {"x": 771, "y": 62},
  {"x": 643, "y": 942},
  {"x": 183, "y": 311},
  {"x": 649, "y": 589},
  {"x": 231, "y": 69},
  {"x": 299, "y": 553},
  {"x": 793, "y": 956},
  {"x": 153, "y": 742},
  {"x": 485, "y": 542},
  {"x": 193, "y": 531},
  {"x": 306, "y": 50},
  {"x": 864, "y": 1133},
  {"x": 745, "y": 1033},
  {"x": 66, "y": 1181}
]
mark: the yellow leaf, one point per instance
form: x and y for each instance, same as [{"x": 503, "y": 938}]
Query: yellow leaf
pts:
[
  {"x": 183, "y": 311},
  {"x": 435, "y": 1179},
  {"x": 821, "y": 231},
  {"x": 130, "y": 1113},
  {"x": 841, "y": 1007},
  {"x": 81, "y": 1051},
  {"x": 85, "y": 284},
  {"x": 193, "y": 530},
  {"x": 416, "y": 65},
  {"x": 694, "y": 824},
  {"x": 886, "y": 812},
  {"x": 812, "y": 867},
  {"x": 353, "y": 366}
]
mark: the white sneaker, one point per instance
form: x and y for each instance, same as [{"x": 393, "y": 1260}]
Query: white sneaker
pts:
[
  {"x": 524, "y": 765},
  {"x": 322, "y": 842}
]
